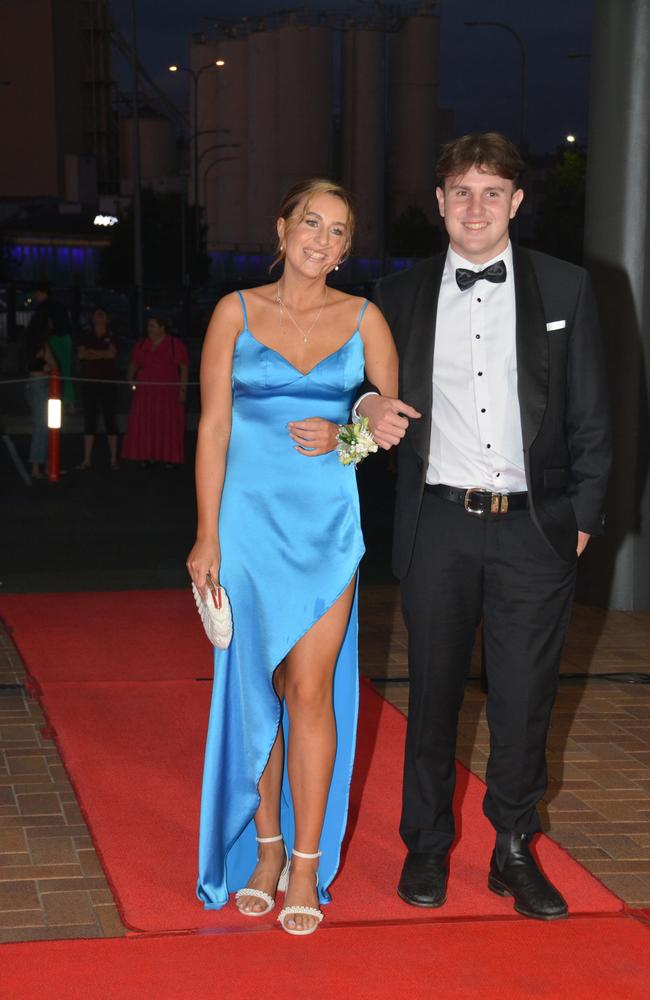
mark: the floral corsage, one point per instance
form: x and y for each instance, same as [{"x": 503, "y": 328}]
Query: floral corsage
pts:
[{"x": 355, "y": 442}]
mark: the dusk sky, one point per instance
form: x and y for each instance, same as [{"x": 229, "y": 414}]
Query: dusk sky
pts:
[{"x": 480, "y": 67}]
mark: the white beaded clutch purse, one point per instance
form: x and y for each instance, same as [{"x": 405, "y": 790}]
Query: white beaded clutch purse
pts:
[{"x": 215, "y": 613}]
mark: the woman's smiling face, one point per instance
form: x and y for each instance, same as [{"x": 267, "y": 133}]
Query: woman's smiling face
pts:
[{"x": 317, "y": 234}]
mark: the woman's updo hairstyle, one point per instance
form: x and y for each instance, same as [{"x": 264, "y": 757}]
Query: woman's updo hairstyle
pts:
[{"x": 306, "y": 191}]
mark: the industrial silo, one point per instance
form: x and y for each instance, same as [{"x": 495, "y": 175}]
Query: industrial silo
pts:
[
  {"x": 264, "y": 116},
  {"x": 157, "y": 151},
  {"x": 413, "y": 128},
  {"x": 222, "y": 138},
  {"x": 304, "y": 101},
  {"x": 363, "y": 132}
]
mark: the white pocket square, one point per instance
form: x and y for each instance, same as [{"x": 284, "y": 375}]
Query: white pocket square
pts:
[{"x": 558, "y": 324}]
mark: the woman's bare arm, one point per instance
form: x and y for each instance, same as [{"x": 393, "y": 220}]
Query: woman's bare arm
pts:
[
  {"x": 213, "y": 436},
  {"x": 380, "y": 351},
  {"x": 388, "y": 415}
]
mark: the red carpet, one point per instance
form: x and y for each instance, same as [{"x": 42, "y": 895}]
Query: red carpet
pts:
[
  {"x": 134, "y": 752},
  {"x": 591, "y": 958},
  {"x": 133, "y": 749},
  {"x": 145, "y": 635}
]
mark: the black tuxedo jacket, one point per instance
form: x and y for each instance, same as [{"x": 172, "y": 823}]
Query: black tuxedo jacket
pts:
[{"x": 562, "y": 394}]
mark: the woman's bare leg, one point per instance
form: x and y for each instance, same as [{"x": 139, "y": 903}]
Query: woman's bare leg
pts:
[{"x": 312, "y": 745}]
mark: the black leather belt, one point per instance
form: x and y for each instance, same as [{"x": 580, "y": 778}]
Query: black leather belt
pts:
[{"x": 477, "y": 501}]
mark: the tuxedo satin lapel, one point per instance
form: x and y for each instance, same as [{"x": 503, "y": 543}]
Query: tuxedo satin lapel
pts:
[
  {"x": 416, "y": 360},
  {"x": 532, "y": 347}
]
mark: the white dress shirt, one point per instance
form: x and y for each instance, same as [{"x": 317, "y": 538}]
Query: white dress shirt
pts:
[{"x": 476, "y": 423}]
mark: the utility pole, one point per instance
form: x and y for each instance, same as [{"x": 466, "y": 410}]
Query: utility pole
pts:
[{"x": 137, "y": 185}]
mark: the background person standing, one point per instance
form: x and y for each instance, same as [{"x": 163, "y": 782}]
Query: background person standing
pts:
[
  {"x": 97, "y": 357},
  {"x": 60, "y": 340},
  {"x": 40, "y": 364},
  {"x": 157, "y": 417}
]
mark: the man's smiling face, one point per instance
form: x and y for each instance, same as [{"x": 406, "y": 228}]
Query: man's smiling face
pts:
[{"x": 477, "y": 208}]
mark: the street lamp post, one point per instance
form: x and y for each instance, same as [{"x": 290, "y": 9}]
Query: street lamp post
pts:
[
  {"x": 208, "y": 170},
  {"x": 196, "y": 76},
  {"x": 522, "y": 50}
]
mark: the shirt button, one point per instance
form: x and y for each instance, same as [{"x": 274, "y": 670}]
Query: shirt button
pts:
[
  {"x": 498, "y": 474},
  {"x": 483, "y": 410},
  {"x": 478, "y": 336},
  {"x": 488, "y": 446},
  {"x": 480, "y": 373},
  {"x": 478, "y": 300}
]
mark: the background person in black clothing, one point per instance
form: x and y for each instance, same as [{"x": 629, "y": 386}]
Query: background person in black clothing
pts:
[
  {"x": 97, "y": 356},
  {"x": 60, "y": 340},
  {"x": 40, "y": 364}
]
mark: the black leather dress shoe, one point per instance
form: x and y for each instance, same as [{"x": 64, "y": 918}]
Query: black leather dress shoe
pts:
[
  {"x": 423, "y": 881},
  {"x": 514, "y": 872}
]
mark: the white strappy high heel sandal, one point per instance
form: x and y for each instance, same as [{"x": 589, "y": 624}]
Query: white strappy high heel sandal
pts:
[
  {"x": 258, "y": 893},
  {"x": 309, "y": 911}
]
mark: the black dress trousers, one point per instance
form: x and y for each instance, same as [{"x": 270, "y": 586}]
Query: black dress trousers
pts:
[{"x": 498, "y": 568}]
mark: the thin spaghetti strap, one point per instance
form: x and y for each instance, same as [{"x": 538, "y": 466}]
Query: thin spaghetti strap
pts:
[
  {"x": 243, "y": 309},
  {"x": 363, "y": 309}
]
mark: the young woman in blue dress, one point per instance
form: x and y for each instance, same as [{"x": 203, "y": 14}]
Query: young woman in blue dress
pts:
[{"x": 278, "y": 526}]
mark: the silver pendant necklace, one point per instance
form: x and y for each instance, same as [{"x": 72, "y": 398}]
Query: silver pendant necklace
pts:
[{"x": 285, "y": 308}]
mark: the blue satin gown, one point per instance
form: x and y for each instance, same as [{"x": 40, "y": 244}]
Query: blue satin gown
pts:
[{"x": 291, "y": 543}]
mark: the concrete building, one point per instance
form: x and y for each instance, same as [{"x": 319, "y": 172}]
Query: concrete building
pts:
[
  {"x": 55, "y": 105},
  {"x": 159, "y": 167}
]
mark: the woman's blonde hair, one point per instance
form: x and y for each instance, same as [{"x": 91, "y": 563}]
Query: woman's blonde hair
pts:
[{"x": 306, "y": 191}]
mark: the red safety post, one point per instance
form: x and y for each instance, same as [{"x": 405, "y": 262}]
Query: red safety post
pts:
[{"x": 54, "y": 424}]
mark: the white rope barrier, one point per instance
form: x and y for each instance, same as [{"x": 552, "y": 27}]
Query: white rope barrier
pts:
[{"x": 99, "y": 381}]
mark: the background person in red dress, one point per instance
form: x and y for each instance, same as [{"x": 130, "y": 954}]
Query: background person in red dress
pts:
[{"x": 157, "y": 419}]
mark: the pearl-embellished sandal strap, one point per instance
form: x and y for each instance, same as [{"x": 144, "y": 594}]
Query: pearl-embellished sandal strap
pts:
[
  {"x": 257, "y": 893},
  {"x": 309, "y": 911},
  {"x": 308, "y": 857},
  {"x": 269, "y": 840}
]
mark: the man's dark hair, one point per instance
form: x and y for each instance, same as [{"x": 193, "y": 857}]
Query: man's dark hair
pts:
[{"x": 489, "y": 152}]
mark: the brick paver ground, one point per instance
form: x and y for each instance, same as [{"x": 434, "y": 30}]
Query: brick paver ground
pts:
[
  {"x": 598, "y": 804},
  {"x": 51, "y": 881}
]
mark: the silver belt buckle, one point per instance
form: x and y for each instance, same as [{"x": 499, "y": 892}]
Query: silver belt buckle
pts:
[{"x": 467, "y": 500}]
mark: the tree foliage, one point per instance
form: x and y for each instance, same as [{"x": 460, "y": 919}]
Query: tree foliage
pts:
[{"x": 561, "y": 219}]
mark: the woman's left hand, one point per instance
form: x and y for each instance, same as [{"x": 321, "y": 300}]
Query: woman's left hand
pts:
[{"x": 313, "y": 436}]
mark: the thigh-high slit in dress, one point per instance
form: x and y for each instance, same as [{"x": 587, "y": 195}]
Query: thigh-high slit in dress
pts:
[{"x": 291, "y": 543}]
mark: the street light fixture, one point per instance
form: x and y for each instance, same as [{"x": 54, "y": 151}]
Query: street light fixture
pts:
[
  {"x": 522, "y": 50},
  {"x": 196, "y": 76},
  {"x": 570, "y": 138}
]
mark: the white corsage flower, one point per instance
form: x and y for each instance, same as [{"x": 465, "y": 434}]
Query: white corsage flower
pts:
[{"x": 355, "y": 442}]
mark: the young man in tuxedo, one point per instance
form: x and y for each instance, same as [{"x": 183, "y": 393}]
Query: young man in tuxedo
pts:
[{"x": 503, "y": 459}]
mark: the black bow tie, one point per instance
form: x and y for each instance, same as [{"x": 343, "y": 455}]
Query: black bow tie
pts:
[{"x": 495, "y": 272}]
